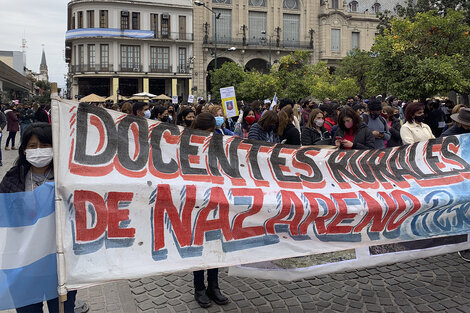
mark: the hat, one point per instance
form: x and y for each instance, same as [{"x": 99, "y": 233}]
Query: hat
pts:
[
  {"x": 463, "y": 117},
  {"x": 375, "y": 106}
]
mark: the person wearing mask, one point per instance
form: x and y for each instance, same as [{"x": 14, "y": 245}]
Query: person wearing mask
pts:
[
  {"x": 288, "y": 133},
  {"x": 12, "y": 127},
  {"x": 314, "y": 133},
  {"x": 461, "y": 123},
  {"x": 3, "y": 123},
  {"x": 329, "y": 110},
  {"x": 377, "y": 124},
  {"x": 392, "y": 116},
  {"x": 171, "y": 114},
  {"x": 141, "y": 109},
  {"x": 352, "y": 133},
  {"x": 257, "y": 107},
  {"x": 160, "y": 113},
  {"x": 186, "y": 117},
  {"x": 436, "y": 118},
  {"x": 242, "y": 128},
  {"x": 26, "y": 118},
  {"x": 307, "y": 107},
  {"x": 415, "y": 130},
  {"x": 203, "y": 296},
  {"x": 33, "y": 168},
  {"x": 264, "y": 129},
  {"x": 41, "y": 114},
  {"x": 218, "y": 113}
]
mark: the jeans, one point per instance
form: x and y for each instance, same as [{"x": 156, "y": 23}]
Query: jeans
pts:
[
  {"x": 11, "y": 135},
  {"x": 52, "y": 305},
  {"x": 212, "y": 279}
]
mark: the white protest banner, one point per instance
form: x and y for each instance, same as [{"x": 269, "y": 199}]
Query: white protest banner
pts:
[
  {"x": 174, "y": 99},
  {"x": 191, "y": 99},
  {"x": 229, "y": 101},
  {"x": 137, "y": 197}
]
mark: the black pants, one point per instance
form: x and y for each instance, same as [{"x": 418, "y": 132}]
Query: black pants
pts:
[
  {"x": 11, "y": 135},
  {"x": 52, "y": 305},
  {"x": 212, "y": 279}
]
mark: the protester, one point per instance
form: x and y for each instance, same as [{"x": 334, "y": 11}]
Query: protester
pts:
[
  {"x": 41, "y": 114},
  {"x": 33, "y": 168},
  {"x": 242, "y": 128},
  {"x": 126, "y": 108},
  {"x": 160, "y": 113},
  {"x": 264, "y": 129},
  {"x": 461, "y": 123},
  {"x": 12, "y": 127},
  {"x": 297, "y": 116},
  {"x": 352, "y": 133},
  {"x": 329, "y": 110},
  {"x": 436, "y": 118},
  {"x": 141, "y": 109},
  {"x": 288, "y": 133},
  {"x": 203, "y": 296},
  {"x": 314, "y": 133},
  {"x": 455, "y": 110},
  {"x": 171, "y": 114},
  {"x": 415, "y": 130},
  {"x": 257, "y": 107},
  {"x": 185, "y": 117},
  {"x": 377, "y": 124},
  {"x": 393, "y": 122},
  {"x": 3, "y": 123},
  {"x": 218, "y": 113},
  {"x": 26, "y": 118}
]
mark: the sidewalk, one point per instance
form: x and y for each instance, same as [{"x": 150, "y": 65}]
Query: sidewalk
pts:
[{"x": 435, "y": 284}]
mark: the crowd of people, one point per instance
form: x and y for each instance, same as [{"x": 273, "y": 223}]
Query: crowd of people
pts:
[{"x": 356, "y": 124}]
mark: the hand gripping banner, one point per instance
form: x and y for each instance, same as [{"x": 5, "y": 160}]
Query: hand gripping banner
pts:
[{"x": 136, "y": 197}]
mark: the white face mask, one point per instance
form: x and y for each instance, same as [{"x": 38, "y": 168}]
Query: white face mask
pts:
[
  {"x": 147, "y": 114},
  {"x": 39, "y": 157}
]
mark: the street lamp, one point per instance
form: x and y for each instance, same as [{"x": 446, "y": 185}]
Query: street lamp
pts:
[
  {"x": 216, "y": 16},
  {"x": 270, "y": 51}
]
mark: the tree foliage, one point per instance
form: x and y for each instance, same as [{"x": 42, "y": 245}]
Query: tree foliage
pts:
[
  {"x": 229, "y": 74},
  {"x": 357, "y": 66},
  {"x": 44, "y": 92}
]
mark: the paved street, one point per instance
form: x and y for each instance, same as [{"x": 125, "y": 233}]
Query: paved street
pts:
[{"x": 435, "y": 284}]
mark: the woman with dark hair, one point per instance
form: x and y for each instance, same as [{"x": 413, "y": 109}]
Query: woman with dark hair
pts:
[
  {"x": 203, "y": 296},
  {"x": 329, "y": 110},
  {"x": 415, "y": 130},
  {"x": 264, "y": 129},
  {"x": 32, "y": 169},
  {"x": 352, "y": 133},
  {"x": 288, "y": 133},
  {"x": 314, "y": 133},
  {"x": 160, "y": 113},
  {"x": 185, "y": 117},
  {"x": 242, "y": 129},
  {"x": 392, "y": 115},
  {"x": 171, "y": 114},
  {"x": 257, "y": 107}
]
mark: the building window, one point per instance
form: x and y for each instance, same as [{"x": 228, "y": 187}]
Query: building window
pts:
[
  {"x": 291, "y": 4},
  {"x": 91, "y": 57},
  {"x": 80, "y": 19},
  {"x": 256, "y": 25},
  {"x": 130, "y": 58},
  {"x": 291, "y": 31},
  {"x": 353, "y": 6},
  {"x": 182, "y": 60},
  {"x": 257, "y": 3},
  {"x": 73, "y": 21},
  {"x": 159, "y": 58},
  {"x": 103, "y": 18},
  {"x": 90, "y": 15},
  {"x": 182, "y": 27},
  {"x": 355, "y": 40},
  {"x": 376, "y": 7},
  {"x": 154, "y": 24},
  {"x": 81, "y": 56},
  {"x": 222, "y": 1},
  {"x": 224, "y": 25},
  {"x": 334, "y": 4},
  {"x": 104, "y": 54},
  {"x": 165, "y": 25},
  {"x": 124, "y": 20},
  {"x": 335, "y": 40},
  {"x": 135, "y": 20}
]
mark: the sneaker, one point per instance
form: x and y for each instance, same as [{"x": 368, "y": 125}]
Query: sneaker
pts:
[
  {"x": 465, "y": 255},
  {"x": 6, "y": 148},
  {"x": 81, "y": 307},
  {"x": 13, "y": 148}
]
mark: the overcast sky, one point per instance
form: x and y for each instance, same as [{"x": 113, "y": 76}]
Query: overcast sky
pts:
[{"x": 39, "y": 22}]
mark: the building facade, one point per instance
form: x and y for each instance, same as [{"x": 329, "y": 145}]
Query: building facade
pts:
[
  {"x": 256, "y": 33},
  {"x": 125, "y": 47}
]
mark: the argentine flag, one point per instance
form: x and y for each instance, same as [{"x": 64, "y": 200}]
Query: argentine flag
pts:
[
  {"x": 274, "y": 103},
  {"x": 28, "y": 265}
]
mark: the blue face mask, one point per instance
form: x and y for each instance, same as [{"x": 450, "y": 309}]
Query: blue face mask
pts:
[{"x": 219, "y": 121}]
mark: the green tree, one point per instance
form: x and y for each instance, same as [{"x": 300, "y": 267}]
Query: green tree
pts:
[
  {"x": 44, "y": 92},
  {"x": 229, "y": 74},
  {"x": 422, "y": 56},
  {"x": 357, "y": 66},
  {"x": 258, "y": 86}
]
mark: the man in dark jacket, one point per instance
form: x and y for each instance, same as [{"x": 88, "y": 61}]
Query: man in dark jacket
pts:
[
  {"x": 26, "y": 118},
  {"x": 461, "y": 123}
]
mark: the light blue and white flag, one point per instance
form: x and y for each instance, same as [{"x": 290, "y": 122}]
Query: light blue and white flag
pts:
[
  {"x": 274, "y": 103},
  {"x": 28, "y": 265}
]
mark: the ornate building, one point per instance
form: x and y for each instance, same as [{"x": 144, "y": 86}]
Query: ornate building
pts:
[{"x": 256, "y": 33}]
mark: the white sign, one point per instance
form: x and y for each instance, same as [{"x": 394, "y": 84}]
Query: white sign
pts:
[
  {"x": 174, "y": 99},
  {"x": 229, "y": 101},
  {"x": 190, "y": 99}
]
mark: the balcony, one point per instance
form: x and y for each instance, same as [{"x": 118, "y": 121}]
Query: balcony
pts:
[
  {"x": 97, "y": 68},
  {"x": 136, "y": 68},
  {"x": 174, "y": 36},
  {"x": 183, "y": 69},
  {"x": 259, "y": 43},
  {"x": 160, "y": 68}
]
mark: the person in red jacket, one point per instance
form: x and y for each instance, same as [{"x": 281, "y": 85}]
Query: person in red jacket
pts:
[{"x": 12, "y": 127}]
